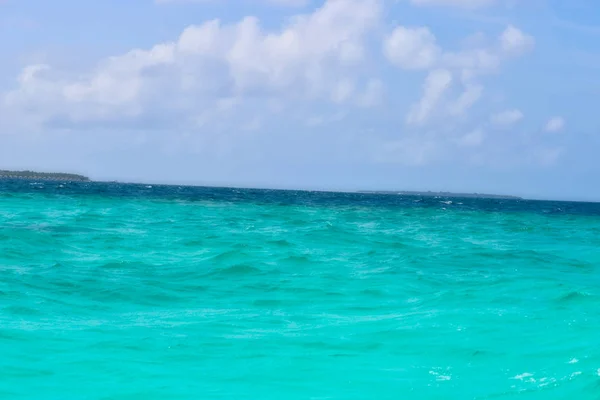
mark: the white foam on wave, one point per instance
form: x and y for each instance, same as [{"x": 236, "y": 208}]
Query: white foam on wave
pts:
[
  {"x": 573, "y": 361},
  {"x": 439, "y": 377},
  {"x": 523, "y": 376}
]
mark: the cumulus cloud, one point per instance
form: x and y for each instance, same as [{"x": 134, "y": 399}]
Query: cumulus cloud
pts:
[
  {"x": 225, "y": 77},
  {"x": 484, "y": 59},
  {"x": 287, "y": 3},
  {"x": 467, "y": 4},
  {"x": 436, "y": 84},
  {"x": 471, "y": 94},
  {"x": 507, "y": 118},
  {"x": 514, "y": 42},
  {"x": 415, "y": 48},
  {"x": 555, "y": 124},
  {"x": 459, "y": 3},
  {"x": 411, "y": 48},
  {"x": 316, "y": 56}
]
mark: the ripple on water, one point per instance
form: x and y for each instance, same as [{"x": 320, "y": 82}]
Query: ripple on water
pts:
[
  {"x": 574, "y": 296},
  {"x": 235, "y": 270},
  {"x": 129, "y": 292}
]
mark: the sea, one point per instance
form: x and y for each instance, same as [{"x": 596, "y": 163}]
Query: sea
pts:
[{"x": 122, "y": 291}]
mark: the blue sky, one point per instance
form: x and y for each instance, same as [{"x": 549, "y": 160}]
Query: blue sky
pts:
[{"x": 493, "y": 96}]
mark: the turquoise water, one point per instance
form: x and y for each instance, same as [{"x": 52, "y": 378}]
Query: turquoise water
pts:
[{"x": 135, "y": 292}]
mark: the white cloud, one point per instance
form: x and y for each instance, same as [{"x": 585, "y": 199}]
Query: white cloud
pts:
[
  {"x": 507, "y": 118},
  {"x": 411, "y": 48},
  {"x": 316, "y": 55},
  {"x": 453, "y": 86},
  {"x": 555, "y": 124},
  {"x": 466, "y": 100},
  {"x": 454, "y": 3},
  {"x": 464, "y": 4},
  {"x": 514, "y": 42},
  {"x": 416, "y": 48},
  {"x": 287, "y": 3},
  {"x": 436, "y": 84},
  {"x": 233, "y": 78}
]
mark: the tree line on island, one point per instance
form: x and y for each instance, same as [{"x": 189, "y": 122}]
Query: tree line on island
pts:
[
  {"x": 443, "y": 194},
  {"x": 47, "y": 176}
]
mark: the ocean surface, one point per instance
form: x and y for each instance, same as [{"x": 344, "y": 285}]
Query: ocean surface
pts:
[{"x": 113, "y": 291}]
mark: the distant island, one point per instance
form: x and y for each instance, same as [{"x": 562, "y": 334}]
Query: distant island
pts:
[
  {"x": 443, "y": 194},
  {"x": 42, "y": 176},
  {"x": 61, "y": 176}
]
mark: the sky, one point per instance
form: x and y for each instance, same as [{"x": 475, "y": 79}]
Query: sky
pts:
[{"x": 488, "y": 96}]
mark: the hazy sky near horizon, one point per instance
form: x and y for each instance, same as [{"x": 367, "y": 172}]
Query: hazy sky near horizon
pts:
[{"x": 493, "y": 96}]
